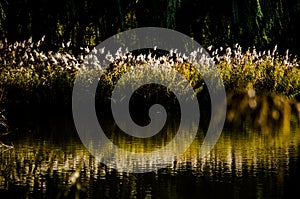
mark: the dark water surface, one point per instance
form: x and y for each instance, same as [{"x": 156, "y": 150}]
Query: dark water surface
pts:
[{"x": 49, "y": 161}]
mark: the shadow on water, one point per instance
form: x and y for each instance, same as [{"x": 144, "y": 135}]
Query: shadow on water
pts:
[{"x": 257, "y": 156}]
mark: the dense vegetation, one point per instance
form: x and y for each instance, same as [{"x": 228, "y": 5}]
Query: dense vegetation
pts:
[
  {"x": 263, "y": 23},
  {"x": 43, "y": 70},
  {"x": 29, "y": 74}
]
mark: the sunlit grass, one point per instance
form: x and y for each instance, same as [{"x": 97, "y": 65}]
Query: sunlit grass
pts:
[
  {"x": 27, "y": 68},
  {"x": 31, "y": 75},
  {"x": 265, "y": 71}
]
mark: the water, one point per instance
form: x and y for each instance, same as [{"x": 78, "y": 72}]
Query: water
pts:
[{"x": 49, "y": 161}]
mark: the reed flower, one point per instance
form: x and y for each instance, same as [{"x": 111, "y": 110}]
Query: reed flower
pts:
[{"x": 25, "y": 66}]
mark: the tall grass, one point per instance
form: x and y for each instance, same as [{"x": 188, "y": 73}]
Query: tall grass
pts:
[
  {"x": 264, "y": 85},
  {"x": 265, "y": 71},
  {"x": 28, "y": 73}
]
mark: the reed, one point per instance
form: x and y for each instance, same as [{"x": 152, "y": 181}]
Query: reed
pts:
[{"x": 28, "y": 73}]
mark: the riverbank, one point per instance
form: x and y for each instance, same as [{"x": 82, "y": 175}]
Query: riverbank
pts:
[{"x": 258, "y": 84}]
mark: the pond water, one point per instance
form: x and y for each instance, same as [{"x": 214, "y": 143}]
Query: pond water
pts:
[{"x": 49, "y": 161}]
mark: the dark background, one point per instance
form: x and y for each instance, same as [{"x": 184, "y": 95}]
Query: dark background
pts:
[{"x": 263, "y": 23}]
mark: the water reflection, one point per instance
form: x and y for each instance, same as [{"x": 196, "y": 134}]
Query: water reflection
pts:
[{"x": 245, "y": 163}]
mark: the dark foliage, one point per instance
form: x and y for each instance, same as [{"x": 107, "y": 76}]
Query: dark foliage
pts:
[{"x": 262, "y": 23}]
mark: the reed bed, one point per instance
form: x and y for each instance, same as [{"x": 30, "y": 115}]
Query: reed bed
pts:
[
  {"x": 26, "y": 66},
  {"x": 30, "y": 74}
]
